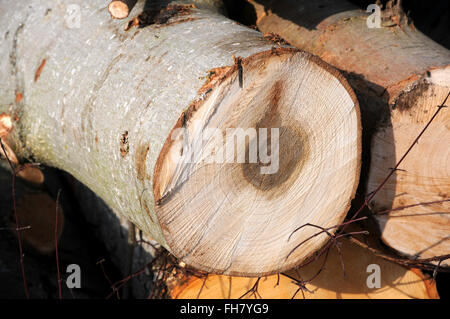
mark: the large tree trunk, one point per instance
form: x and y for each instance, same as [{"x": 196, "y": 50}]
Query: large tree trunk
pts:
[
  {"x": 104, "y": 104},
  {"x": 400, "y": 77}
]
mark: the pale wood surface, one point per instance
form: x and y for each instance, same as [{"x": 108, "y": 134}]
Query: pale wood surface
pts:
[
  {"x": 400, "y": 76},
  {"x": 245, "y": 216},
  {"x": 414, "y": 227},
  {"x": 397, "y": 282}
]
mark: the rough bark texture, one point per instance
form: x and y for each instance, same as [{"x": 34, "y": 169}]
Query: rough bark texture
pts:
[
  {"x": 101, "y": 103},
  {"x": 400, "y": 77}
]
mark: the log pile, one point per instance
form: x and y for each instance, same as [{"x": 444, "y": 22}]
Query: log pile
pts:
[
  {"x": 239, "y": 151},
  {"x": 401, "y": 77},
  {"x": 306, "y": 283}
]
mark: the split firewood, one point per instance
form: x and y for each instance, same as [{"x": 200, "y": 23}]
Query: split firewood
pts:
[
  {"x": 366, "y": 277},
  {"x": 400, "y": 77},
  {"x": 126, "y": 112},
  {"x": 120, "y": 9}
]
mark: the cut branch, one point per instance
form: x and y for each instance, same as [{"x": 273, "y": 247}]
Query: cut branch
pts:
[{"x": 120, "y": 9}]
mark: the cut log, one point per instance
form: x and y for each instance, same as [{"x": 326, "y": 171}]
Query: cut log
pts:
[
  {"x": 120, "y": 9},
  {"x": 400, "y": 77},
  {"x": 396, "y": 282},
  {"x": 122, "y": 110}
]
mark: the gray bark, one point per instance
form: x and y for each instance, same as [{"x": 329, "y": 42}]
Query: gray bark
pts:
[{"x": 101, "y": 84}]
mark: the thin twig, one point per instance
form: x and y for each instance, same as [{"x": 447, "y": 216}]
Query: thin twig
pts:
[
  {"x": 56, "y": 245},
  {"x": 354, "y": 218},
  {"x": 13, "y": 188},
  {"x": 424, "y": 263},
  {"x": 253, "y": 290},
  {"x": 16, "y": 228},
  {"x": 100, "y": 262},
  {"x": 201, "y": 288},
  {"x": 386, "y": 211}
]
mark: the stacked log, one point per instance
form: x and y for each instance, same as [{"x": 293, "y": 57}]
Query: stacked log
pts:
[
  {"x": 322, "y": 279},
  {"x": 120, "y": 104},
  {"x": 236, "y": 150},
  {"x": 401, "y": 77}
]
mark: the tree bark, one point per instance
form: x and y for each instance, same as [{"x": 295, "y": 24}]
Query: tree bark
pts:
[
  {"x": 400, "y": 77},
  {"x": 104, "y": 104}
]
